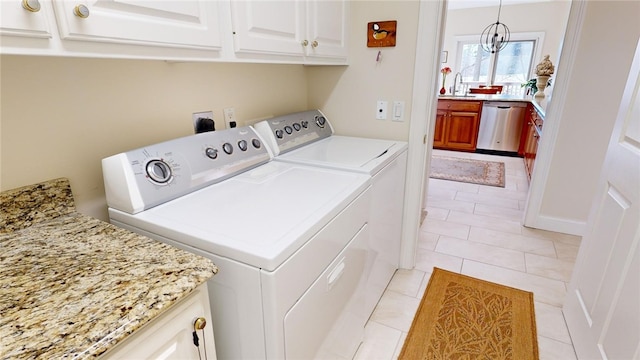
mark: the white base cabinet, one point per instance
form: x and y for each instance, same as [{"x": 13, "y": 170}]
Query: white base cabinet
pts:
[{"x": 170, "y": 336}]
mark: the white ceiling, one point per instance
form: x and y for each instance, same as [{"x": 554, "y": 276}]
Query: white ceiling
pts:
[{"x": 465, "y": 4}]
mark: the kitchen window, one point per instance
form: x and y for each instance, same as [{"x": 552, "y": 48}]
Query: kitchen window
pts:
[{"x": 510, "y": 67}]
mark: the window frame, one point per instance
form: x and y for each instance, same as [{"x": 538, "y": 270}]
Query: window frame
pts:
[{"x": 536, "y": 37}]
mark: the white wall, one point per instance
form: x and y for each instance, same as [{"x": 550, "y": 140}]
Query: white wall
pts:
[
  {"x": 549, "y": 18},
  {"x": 586, "y": 114},
  {"x": 348, "y": 95},
  {"x": 60, "y": 116}
]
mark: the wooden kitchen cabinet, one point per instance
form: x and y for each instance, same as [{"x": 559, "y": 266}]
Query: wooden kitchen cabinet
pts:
[
  {"x": 170, "y": 336},
  {"x": 457, "y": 124},
  {"x": 310, "y": 31},
  {"x": 531, "y": 133}
]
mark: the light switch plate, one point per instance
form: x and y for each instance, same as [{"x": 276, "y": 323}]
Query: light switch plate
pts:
[
  {"x": 381, "y": 110},
  {"x": 398, "y": 111}
]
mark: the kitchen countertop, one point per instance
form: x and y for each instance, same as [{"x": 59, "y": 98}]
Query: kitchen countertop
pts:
[
  {"x": 72, "y": 286},
  {"x": 540, "y": 104}
]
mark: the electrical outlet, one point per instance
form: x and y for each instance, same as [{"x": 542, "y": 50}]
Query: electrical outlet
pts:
[
  {"x": 197, "y": 115},
  {"x": 381, "y": 110},
  {"x": 230, "y": 118}
]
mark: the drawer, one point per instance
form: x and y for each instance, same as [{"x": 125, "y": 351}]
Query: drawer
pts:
[{"x": 460, "y": 105}]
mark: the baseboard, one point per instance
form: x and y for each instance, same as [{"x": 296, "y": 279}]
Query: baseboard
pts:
[{"x": 560, "y": 225}]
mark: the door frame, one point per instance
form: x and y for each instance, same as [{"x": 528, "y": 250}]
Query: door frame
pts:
[{"x": 431, "y": 23}]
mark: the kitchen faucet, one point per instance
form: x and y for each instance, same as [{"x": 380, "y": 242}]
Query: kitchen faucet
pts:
[{"x": 454, "y": 82}]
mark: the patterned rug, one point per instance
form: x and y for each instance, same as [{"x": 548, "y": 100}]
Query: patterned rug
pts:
[
  {"x": 468, "y": 170},
  {"x": 461, "y": 317}
]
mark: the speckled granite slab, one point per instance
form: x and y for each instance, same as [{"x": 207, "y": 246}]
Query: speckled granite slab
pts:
[
  {"x": 29, "y": 205},
  {"x": 72, "y": 286}
]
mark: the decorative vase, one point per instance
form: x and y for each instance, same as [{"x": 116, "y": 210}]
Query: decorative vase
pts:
[
  {"x": 443, "y": 91},
  {"x": 541, "y": 83}
]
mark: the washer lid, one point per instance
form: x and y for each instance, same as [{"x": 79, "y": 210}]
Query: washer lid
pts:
[
  {"x": 260, "y": 217},
  {"x": 347, "y": 153}
]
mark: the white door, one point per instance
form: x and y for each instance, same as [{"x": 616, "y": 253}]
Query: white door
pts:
[
  {"x": 272, "y": 27},
  {"x": 326, "y": 31},
  {"x": 603, "y": 302},
  {"x": 184, "y": 24}
]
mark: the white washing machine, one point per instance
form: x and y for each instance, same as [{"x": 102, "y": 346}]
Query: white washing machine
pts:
[
  {"x": 308, "y": 138},
  {"x": 290, "y": 240}
]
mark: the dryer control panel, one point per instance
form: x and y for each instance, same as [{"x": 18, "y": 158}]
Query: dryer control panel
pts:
[
  {"x": 140, "y": 179},
  {"x": 288, "y": 132}
]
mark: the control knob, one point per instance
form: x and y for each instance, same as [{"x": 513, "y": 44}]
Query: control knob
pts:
[
  {"x": 242, "y": 144},
  {"x": 211, "y": 153},
  {"x": 296, "y": 126},
  {"x": 228, "y": 148},
  {"x": 320, "y": 121},
  {"x": 288, "y": 129},
  {"x": 159, "y": 171},
  {"x": 279, "y": 134},
  {"x": 304, "y": 123},
  {"x": 256, "y": 143}
]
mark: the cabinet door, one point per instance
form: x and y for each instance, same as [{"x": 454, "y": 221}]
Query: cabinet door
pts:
[
  {"x": 170, "y": 335},
  {"x": 462, "y": 131},
  {"x": 184, "y": 24},
  {"x": 28, "y": 20},
  {"x": 530, "y": 147},
  {"x": 270, "y": 27},
  {"x": 439, "y": 131},
  {"x": 326, "y": 29}
]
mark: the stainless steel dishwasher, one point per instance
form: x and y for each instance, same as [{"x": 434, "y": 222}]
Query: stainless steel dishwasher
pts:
[{"x": 501, "y": 126}]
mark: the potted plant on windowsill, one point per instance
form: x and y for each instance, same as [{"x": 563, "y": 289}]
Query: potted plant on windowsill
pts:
[{"x": 531, "y": 87}]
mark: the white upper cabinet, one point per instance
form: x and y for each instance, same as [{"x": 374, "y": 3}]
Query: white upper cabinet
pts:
[
  {"x": 269, "y": 31},
  {"x": 309, "y": 31},
  {"x": 189, "y": 24},
  {"x": 25, "y": 18},
  {"x": 326, "y": 29}
]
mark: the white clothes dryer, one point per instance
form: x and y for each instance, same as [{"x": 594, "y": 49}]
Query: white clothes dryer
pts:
[
  {"x": 290, "y": 240},
  {"x": 308, "y": 138}
]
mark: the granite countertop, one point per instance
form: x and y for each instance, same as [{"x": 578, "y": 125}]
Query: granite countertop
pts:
[
  {"x": 72, "y": 286},
  {"x": 540, "y": 104}
]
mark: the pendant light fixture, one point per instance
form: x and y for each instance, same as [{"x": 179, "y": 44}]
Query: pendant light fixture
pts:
[{"x": 495, "y": 36}]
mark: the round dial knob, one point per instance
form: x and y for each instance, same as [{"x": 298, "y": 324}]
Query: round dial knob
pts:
[
  {"x": 288, "y": 129},
  {"x": 228, "y": 148},
  {"x": 242, "y": 144},
  {"x": 159, "y": 171},
  {"x": 256, "y": 143},
  {"x": 320, "y": 120},
  {"x": 304, "y": 123},
  {"x": 279, "y": 134},
  {"x": 211, "y": 153},
  {"x": 297, "y": 127}
]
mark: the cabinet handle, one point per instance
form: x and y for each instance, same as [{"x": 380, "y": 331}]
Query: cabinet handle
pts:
[
  {"x": 31, "y": 5},
  {"x": 305, "y": 42},
  {"x": 81, "y": 11},
  {"x": 314, "y": 44},
  {"x": 199, "y": 323}
]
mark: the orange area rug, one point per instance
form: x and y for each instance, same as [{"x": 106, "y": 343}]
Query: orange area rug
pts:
[{"x": 461, "y": 317}]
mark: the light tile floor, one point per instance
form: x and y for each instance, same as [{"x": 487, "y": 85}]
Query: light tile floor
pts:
[{"x": 475, "y": 230}]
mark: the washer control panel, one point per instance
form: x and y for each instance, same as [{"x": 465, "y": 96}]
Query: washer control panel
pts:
[
  {"x": 142, "y": 178},
  {"x": 288, "y": 132}
]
